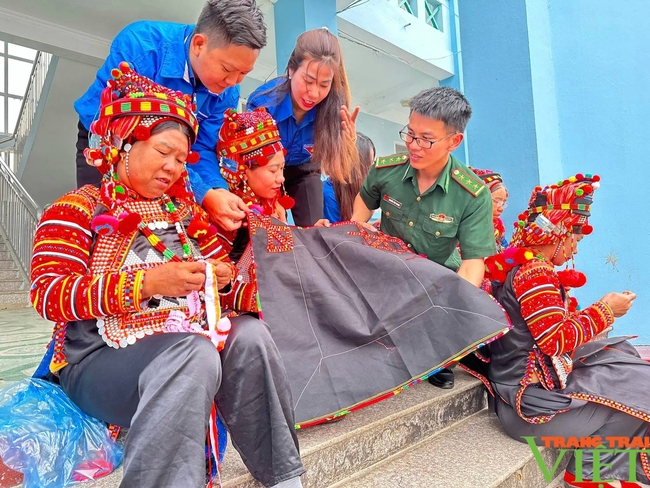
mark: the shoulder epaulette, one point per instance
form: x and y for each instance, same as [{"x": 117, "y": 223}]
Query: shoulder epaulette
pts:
[
  {"x": 394, "y": 160},
  {"x": 468, "y": 180}
]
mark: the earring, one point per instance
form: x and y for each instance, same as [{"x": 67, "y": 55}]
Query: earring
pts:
[
  {"x": 285, "y": 200},
  {"x": 126, "y": 164},
  {"x": 560, "y": 244}
]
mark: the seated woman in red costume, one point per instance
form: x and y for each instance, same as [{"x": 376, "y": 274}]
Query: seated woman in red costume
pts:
[
  {"x": 494, "y": 182},
  {"x": 138, "y": 342},
  {"x": 549, "y": 375},
  {"x": 355, "y": 314}
]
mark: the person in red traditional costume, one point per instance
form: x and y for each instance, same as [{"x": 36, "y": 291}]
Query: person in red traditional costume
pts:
[
  {"x": 550, "y": 375},
  {"x": 138, "y": 341},
  {"x": 499, "y": 192},
  {"x": 355, "y": 315}
]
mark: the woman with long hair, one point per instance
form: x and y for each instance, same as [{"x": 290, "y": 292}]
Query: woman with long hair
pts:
[
  {"x": 310, "y": 104},
  {"x": 339, "y": 197}
]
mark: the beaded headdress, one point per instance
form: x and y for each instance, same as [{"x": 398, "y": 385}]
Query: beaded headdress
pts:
[
  {"x": 247, "y": 139},
  {"x": 131, "y": 105},
  {"x": 557, "y": 211},
  {"x": 492, "y": 179}
]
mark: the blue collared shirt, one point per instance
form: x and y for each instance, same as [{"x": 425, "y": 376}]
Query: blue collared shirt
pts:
[
  {"x": 160, "y": 51},
  {"x": 298, "y": 140}
]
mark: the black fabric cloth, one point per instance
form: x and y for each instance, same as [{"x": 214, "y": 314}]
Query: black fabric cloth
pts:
[
  {"x": 86, "y": 174},
  {"x": 303, "y": 183},
  {"x": 356, "y": 315}
]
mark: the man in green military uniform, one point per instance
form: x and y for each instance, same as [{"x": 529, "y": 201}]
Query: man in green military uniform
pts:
[{"x": 428, "y": 198}]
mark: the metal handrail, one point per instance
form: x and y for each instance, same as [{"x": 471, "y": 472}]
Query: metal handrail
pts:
[
  {"x": 19, "y": 216},
  {"x": 19, "y": 213},
  {"x": 28, "y": 108}
]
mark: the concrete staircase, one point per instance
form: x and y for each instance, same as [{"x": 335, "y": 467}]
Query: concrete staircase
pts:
[
  {"x": 423, "y": 437},
  {"x": 14, "y": 292}
]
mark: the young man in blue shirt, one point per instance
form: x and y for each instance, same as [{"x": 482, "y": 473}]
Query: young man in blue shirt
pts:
[{"x": 207, "y": 61}]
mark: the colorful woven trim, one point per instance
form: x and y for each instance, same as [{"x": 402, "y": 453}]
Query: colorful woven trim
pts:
[{"x": 161, "y": 105}]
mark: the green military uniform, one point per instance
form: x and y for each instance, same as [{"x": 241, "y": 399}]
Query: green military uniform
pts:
[{"x": 456, "y": 209}]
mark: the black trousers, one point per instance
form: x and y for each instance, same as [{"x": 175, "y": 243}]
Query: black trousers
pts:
[
  {"x": 86, "y": 174},
  {"x": 162, "y": 388},
  {"x": 304, "y": 185}
]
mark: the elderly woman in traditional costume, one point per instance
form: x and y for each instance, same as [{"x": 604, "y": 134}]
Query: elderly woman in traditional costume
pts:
[
  {"x": 355, "y": 315},
  {"x": 549, "y": 375},
  {"x": 139, "y": 342},
  {"x": 499, "y": 192}
]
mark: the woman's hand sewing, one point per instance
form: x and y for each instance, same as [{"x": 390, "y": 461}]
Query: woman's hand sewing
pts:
[{"x": 173, "y": 279}]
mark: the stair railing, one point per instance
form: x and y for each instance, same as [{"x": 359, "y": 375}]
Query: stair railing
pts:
[
  {"x": 28, "y": 108},
  {"x": 19, "y": 216}
]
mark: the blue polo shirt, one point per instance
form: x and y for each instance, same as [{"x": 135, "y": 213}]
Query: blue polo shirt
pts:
[
  {"x": 298, "y": 140},
  {"x": 160, "y": 51}
]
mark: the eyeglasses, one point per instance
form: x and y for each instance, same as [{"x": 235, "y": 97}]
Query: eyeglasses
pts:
[
  {"x": 500, "y": 203},
  {"x": 421, "y": 141}
]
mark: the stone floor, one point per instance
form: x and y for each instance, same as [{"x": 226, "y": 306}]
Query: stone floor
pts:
[{"x": 23, "y": 338}]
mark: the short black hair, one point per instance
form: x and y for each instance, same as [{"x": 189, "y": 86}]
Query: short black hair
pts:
[
  {"x": 445, "y": 104},
  {"x": 238, "y": 22}
]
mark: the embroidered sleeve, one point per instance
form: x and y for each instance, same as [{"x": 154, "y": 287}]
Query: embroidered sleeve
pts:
[
  {"x": 554, "y": 328},
  {"x": 214, "y": 246},
  {"x": 242, "y": 297},
  {"x": 62, "y": 289}
]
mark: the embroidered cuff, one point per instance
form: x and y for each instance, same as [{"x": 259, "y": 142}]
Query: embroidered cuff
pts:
[
  {"x": 605, "y": 311},
  {"x": 132, "y": 291}
]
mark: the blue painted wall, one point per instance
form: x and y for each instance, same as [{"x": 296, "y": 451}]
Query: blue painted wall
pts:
[
  {"x": 497, "y": 83},
  {"x": 602, "y": 70},
  {"x": 562, "y": 87}
]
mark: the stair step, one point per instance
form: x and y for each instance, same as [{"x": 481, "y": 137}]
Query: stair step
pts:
[
  {"x": 11, "y": 285},
  {"x": 9, "y": 274},
  {"x": 472, "y": 453},
  {"x": 7, "y": 263},
  {"x": 332, "y": 452},
  {"x": 14, "y": 299},
  {"x": 3, "y": 246},
  {"x": 5, "y": 255},
  {"x": 557, "y": 482}
]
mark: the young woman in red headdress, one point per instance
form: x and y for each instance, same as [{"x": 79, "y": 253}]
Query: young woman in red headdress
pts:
[{"x": 550, "y": 375}]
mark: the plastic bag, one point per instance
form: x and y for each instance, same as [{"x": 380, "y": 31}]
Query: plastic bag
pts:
[{"x": 49, "y": 439}]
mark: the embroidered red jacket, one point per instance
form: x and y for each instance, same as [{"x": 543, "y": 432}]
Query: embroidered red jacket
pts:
[
  {"x": 555, "y": 329},
  {"x": 72, "y": 280}
]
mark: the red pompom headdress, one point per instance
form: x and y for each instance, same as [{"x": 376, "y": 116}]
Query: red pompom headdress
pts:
[
  {"x": 557, "y": 211},
  {"x": 247, "y": 139},
  {"x": 492, "y": 179},
  {"x": 131, "y": 105}
]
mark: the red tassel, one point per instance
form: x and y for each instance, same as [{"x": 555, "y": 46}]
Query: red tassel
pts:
[
  {"x": 198, "y": 229},
  {"x": 193, "y": 157},
  {"x": 571, "y": 278},
  {"x": 129, "y": 223},
  {"x": 141, "y": 133},
  {"x": 286, "y": 202}
]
